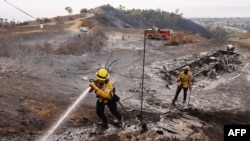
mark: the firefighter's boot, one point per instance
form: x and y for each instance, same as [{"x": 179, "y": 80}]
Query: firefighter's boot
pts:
[{"x": 173, "y": 102}]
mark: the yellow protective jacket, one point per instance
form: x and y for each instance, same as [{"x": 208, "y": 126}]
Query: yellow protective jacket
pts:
[
  {"x": 184, "y": 80},
  {"x": 105, "y": 92}
]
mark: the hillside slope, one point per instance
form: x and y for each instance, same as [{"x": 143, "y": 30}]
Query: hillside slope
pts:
[{"x": 107, "y": 16}]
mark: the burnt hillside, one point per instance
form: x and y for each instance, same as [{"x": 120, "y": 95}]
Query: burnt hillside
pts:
[{"x": 108, "y": 16}]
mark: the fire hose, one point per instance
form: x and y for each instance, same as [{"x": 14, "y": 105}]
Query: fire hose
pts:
[{"x": 123, "y": 107}]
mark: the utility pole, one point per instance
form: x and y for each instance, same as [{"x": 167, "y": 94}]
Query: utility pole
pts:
[{"x": 143, "y": 66}]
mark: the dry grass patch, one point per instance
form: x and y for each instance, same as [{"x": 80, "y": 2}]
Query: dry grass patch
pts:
[
  {"x": 80, "y": 45},
  {"x": 183, "y": 38}
]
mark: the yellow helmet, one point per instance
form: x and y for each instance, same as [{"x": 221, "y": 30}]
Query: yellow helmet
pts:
[{"x": 102, "y": 74}]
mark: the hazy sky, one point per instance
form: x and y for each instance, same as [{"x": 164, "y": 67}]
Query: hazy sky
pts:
[{"x": 189, "y": 8}]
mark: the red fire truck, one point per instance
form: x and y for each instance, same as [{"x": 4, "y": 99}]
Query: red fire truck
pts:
[{"x": 159, "y": 33}]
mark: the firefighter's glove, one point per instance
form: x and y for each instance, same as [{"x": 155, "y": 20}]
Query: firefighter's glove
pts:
[{"x": 93, "y": 86}]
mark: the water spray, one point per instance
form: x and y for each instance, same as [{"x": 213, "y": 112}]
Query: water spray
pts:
[{"x": 61, "y": 119}]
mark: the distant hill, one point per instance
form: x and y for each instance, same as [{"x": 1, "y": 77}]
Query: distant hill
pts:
[{"x": 108, "y": 16}]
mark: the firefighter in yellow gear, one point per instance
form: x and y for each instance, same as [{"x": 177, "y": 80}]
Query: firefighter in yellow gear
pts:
[
  {"x": 184, "y": 81},
  {"x": 104, "y": 92}
]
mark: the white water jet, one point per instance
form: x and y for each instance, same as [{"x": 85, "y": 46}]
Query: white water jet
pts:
[{"x": 70, "y": 109}]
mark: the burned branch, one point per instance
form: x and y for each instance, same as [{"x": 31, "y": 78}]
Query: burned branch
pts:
[{"x": 207, "y": 63}]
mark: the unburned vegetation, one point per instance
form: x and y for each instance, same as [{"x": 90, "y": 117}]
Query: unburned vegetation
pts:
[{"x": 183, "y": 38}]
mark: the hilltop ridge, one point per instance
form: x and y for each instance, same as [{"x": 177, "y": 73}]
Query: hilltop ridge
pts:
[{"x": 107, "y": 15}]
